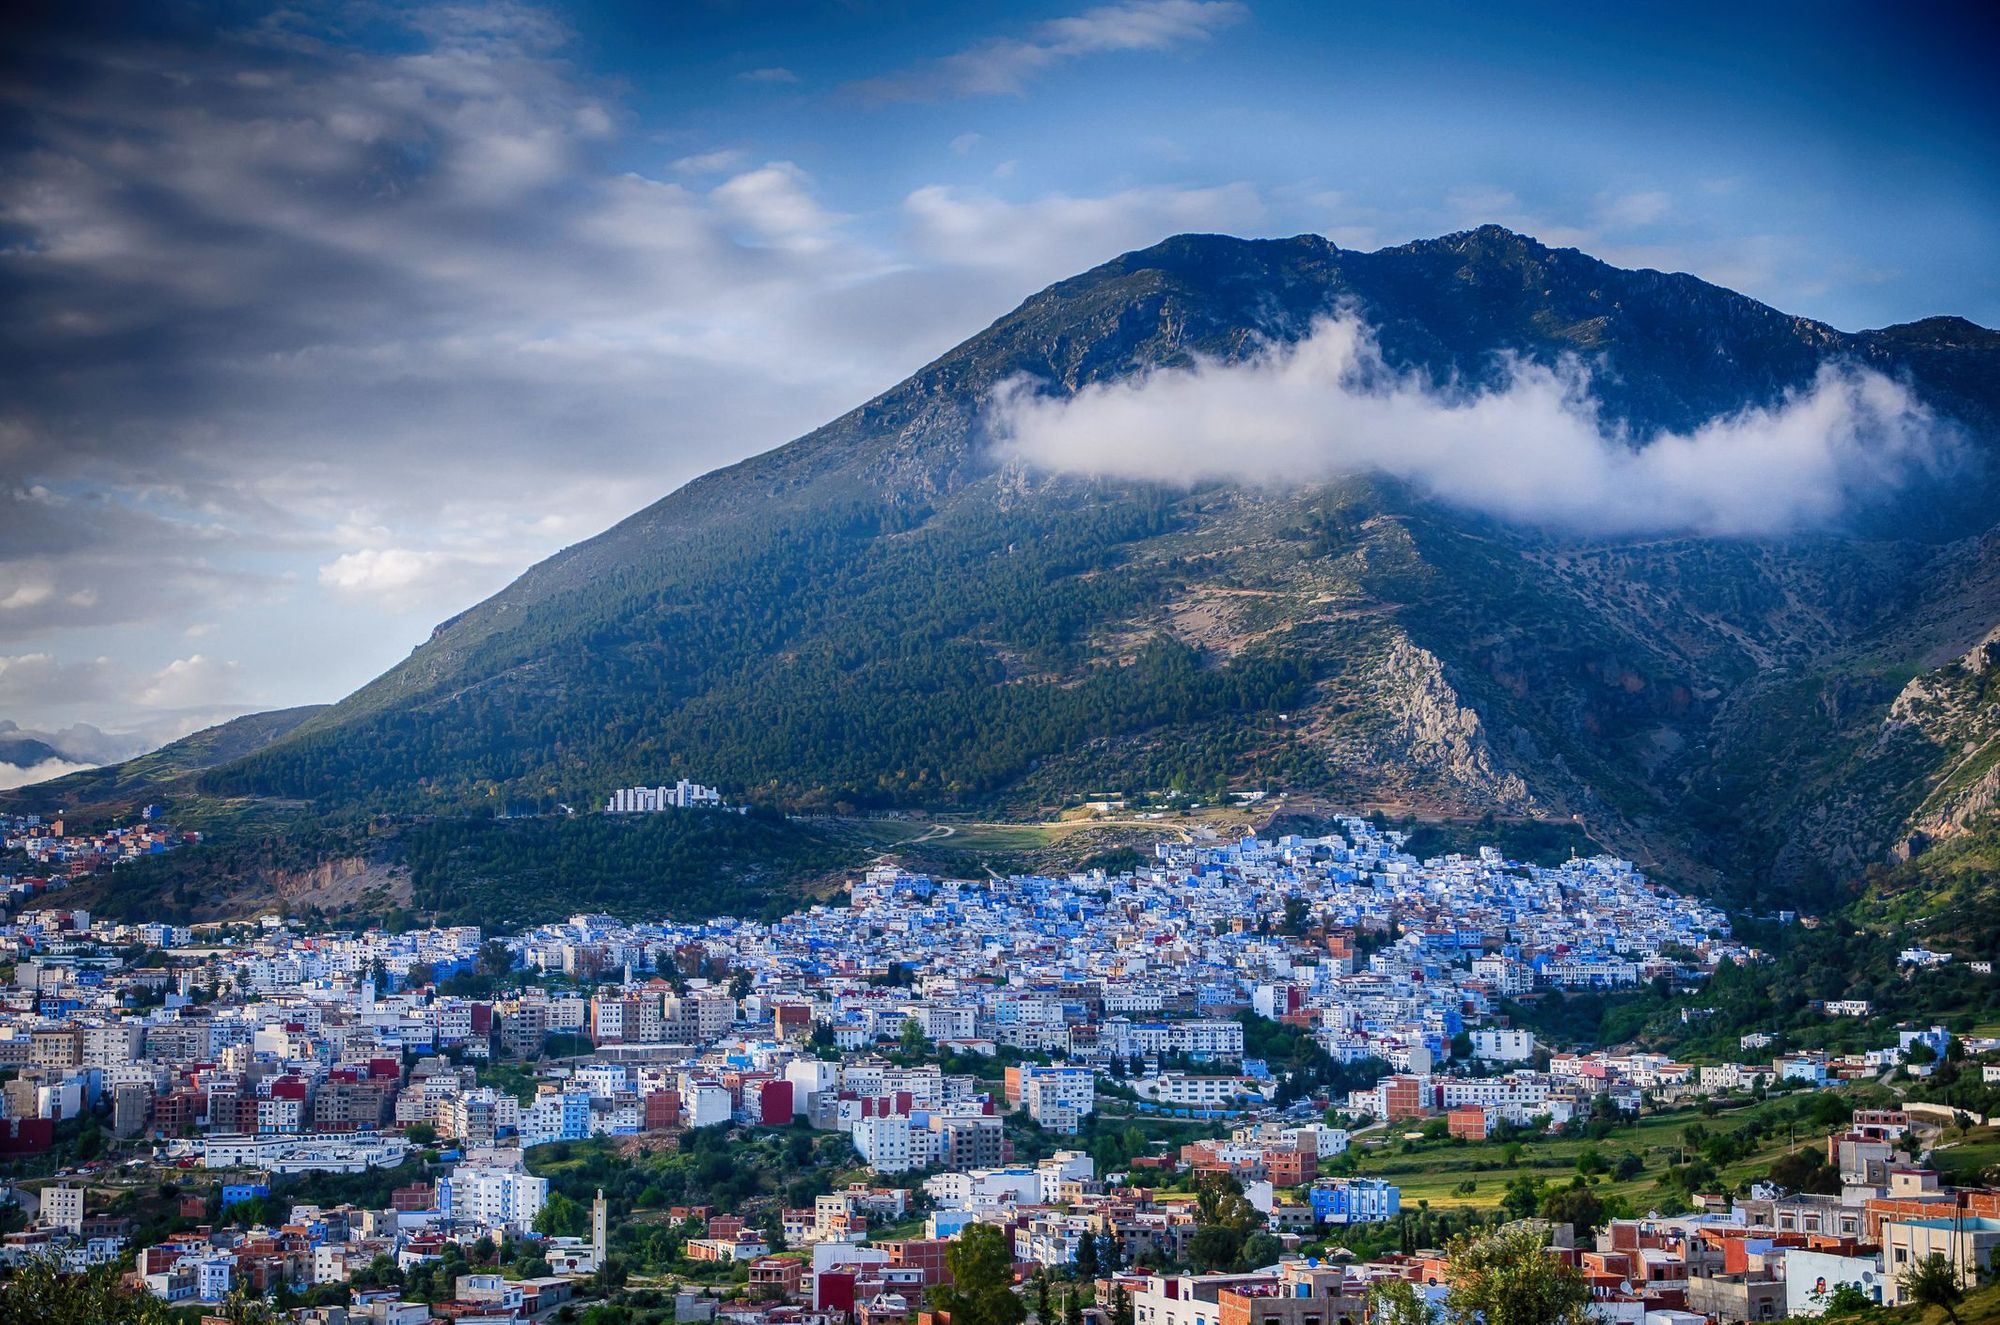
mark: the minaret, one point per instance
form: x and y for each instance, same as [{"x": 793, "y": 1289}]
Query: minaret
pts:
[{"x": 600, "y": 1220}]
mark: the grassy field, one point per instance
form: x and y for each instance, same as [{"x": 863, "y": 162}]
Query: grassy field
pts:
[
  {"x": 1968, "y": 1157},
  {"x": 1435, "y": 1171},
  {"x": 1981, "y": 1307},
  {"x": 949, "y": 833}
]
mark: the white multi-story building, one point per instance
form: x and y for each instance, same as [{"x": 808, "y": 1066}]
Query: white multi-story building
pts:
[
  {"x": 213, "y": 1275},
  {"x": 556, "y": 1115},
  {"x": 303, "y": 1154},
  {"x": 62, "y": 1207},
  {"x": 1201, "y": 1040},
  {"x": 1190, "y": 1090},
  {"x": 888, "y": 1144},
  {"x": 1506, "y": 976},
  {"x": 1515, "y": 1090},
  {"x": 705, "y": 1103},
  {"x": 1058, "y": 1098},
  {"x": 944, "y": 1022},
  {"x": 499, "y": 1198},
  {"x": 683, "y": 795},
  {"x": 112, "y": 1045},
  {"x": 1503, "y": 1044}
]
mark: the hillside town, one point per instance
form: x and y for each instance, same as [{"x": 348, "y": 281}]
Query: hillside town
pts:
[
  {"x": 1161, "y": 1083},
  {"x": 37, "y": 856}
]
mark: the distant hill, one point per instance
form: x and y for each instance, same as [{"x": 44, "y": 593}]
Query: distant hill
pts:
[
  {"x": 164, "y": 772},
  {"x": 883, "y": 615},
  {"x": 26, "y": 751}
]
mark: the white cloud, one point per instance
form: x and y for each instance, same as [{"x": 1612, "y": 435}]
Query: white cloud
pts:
[
  {"x": 1533, "y": 448},
  {"x": 769, "y": 74},
  {"x": 1005, "y": 65},
  {"x": 20, "y": 591},
  {"x": 183, "y": 696},
  {"x": 31, "y": 680},
  {"x": 1054, "y": 236},
  {"x": 403, "y": 578},
  {"x": 192, "y": 682},
  {"x": 26, "y": 775},
  {"x": 710, "y": 163},
  {"x": 1633, "y": 210},
  {"x": 965, "y": 142},
  {"x": 775, "y": 203}
]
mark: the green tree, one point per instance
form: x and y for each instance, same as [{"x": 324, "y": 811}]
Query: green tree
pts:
[
  {"x": 981, "y": 1291},
  {"x": 1296, "y": 914},
  {"x": 1397, "y": 1302},
  {"x": 1510, "y": 1278},
  {"x": 494, "y": 959},
  {"x": 379, "y": 1272},
  {"x": 1932, "y": 1282},
  {"x": 1215, "y": 1247},
  {"x": 40, "y": 1293},
  {"x": 914, "y": 1040},
  {"x": 1219, "y": 1200},
  {"x": 1086, "y": 1256},
  {"x": 1261, "y": 1249},
  {"x": 560, "y": 1217},
  {"x": 1523, "y": 1196},
  {"x": 1579, "y": 1207},
  {"x": 242, "y": 1307},
  {"x": 1805, "y": 1170},
  {"x": 1845, "y": 1300}
]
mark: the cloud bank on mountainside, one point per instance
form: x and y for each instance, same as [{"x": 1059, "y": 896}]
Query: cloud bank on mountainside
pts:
[
  {"x": 46, "y": 770},
  {"x": 1533, "y": 446}
]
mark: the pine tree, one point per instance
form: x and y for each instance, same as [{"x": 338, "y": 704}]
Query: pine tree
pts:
[{"x": 1086, "y": 1256}]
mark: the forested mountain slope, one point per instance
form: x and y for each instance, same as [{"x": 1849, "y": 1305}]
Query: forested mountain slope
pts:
[{"x": 886, "y": 613}]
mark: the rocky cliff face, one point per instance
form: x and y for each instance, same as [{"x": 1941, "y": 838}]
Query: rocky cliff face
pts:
[
  {"x": 1955, "y": 712},
  {"x": 1439, "y": 739}
]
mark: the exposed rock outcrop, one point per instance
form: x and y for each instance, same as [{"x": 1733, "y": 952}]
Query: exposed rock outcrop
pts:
[{"x": 1440, "y": 735}]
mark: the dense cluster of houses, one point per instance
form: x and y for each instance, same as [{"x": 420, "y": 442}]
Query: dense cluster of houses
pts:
[
  {"x": 1771, "y": 1256},
  {"x": 38, "y": 855},
  {"x": 266, "y": 1050}
]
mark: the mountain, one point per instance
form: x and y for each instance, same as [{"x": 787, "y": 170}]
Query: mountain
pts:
[
  {"x": 167, "y": 771},
  {"x": 23, "y": 751},
  {"x": 887, "y": 615}
]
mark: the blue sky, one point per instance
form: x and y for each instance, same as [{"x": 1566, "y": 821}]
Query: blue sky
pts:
[{"x": 326, "y": 321}]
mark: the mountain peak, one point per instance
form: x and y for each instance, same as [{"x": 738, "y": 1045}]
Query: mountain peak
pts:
[
  {"x": 1947, "y": 329},
  {"x": 1485, "y": 239}
]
